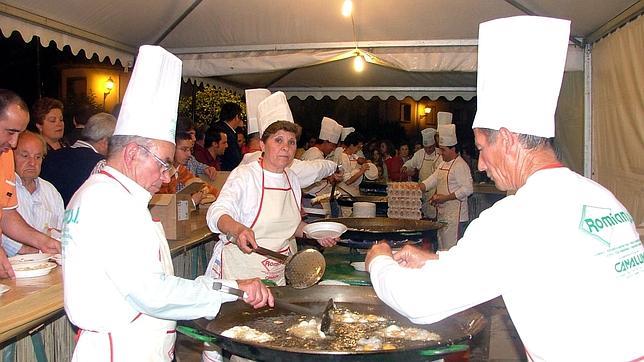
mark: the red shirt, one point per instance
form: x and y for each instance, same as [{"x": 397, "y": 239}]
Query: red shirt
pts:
[{"x": 394, "y": 164}]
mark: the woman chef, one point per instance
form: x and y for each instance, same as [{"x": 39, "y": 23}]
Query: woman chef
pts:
[
  {"x": 259, "y": 205},
  {"x": 453, "y": 183}
]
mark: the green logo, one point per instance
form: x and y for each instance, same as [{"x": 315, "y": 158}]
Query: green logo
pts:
[{"x": 600, "y": 222}]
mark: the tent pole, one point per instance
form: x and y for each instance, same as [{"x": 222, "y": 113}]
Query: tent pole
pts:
[
  {"x": 588, "y": 134},
  {"x": 177, "y": 22}
]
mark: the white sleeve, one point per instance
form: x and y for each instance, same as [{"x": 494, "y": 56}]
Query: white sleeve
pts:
[
  {"x": 416, "y": 161},
  {"x": 463, "y": 178},
  {"x": 230, "y": 199},
  {"x": 310, "y": 172},
  {"x": 431, "y": 181}
]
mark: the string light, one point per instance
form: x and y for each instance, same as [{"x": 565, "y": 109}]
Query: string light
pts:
[{"x": 347, "y": 6}]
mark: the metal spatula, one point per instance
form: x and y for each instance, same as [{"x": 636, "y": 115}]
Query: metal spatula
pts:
[{"x": 325, "y": 324}]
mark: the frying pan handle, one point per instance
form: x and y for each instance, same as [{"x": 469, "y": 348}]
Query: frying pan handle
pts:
[
  {"x": 228, "y": 290},
  {"x": 454, "y": 348},
  {"x": 195, "y": 334},
  {"x": 271, "y": 254}
]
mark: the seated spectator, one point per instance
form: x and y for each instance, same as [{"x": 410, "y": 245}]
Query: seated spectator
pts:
[
  {"x": 394, "y": 163},
  {"x": 47, "y": 116},
  {"x": 67, "y": 168},
  {"x": 181, "y": 176},
  {"x": 39, "y": 204},
  {"x": 403, "y": 152},
  {"x": 195, "y": 167},
  {"x": 241, "y": 141},
  {"x": 216, "y": 143},
  {"x": 80, "y": 119}
]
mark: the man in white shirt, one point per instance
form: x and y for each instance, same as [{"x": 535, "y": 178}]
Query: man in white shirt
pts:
[{"x": 39, "y": 203}]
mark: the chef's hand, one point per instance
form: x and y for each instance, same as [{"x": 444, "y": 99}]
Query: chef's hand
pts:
[
  {"x": 211, "y": 172},
  {"x": 361, "y": 160},
  {"x": 246, "y": 240},
  {"x": 422, "y": 187},
  {"x": 437, "y": 199},
  {"x": 328, "y": 242},
  {"x": 6, "y": 271},
  {"x": 257, "y": 293},
  {"x": 47, "y": 244},
  {"x": 381, "y": 248},
  {"x": 413, "y": 257}
]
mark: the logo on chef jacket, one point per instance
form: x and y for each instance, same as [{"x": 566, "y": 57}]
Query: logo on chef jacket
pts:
[{"x": 601, "y": 222}]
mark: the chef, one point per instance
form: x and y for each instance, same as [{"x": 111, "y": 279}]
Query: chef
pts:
[
  {"x": 307, "y": 172},
  {"x": 253, "y": 98},
  {"x": 354, "y": 170},
  {"x": 563, "y": 252},
  {"x": 453, "y": 183},
  {"x": 337, "y": 153},
  {"x": 326, "y": 143},
  {"x": 120, "y": 290},
  {"x": 426, "y": 161}
]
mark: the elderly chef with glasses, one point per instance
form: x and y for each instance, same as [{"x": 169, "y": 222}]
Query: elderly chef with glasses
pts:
[
  {"x": 120, "y": 288},
  {"x": 563, "y": 252}
]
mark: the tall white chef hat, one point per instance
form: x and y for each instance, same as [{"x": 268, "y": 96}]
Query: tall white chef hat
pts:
[
  {"x": 272, "y": 109},
  {"x": 330, "y": 130},
  {"x": 444, "y": 118},
  {"x": 520, "y": 66},
  {"x": 447, "y": 135},
  {"x": 253, "y": 98},
  {"x": 151, "y": 100},
  {"x": 345, "y": 132},
  {"x": 428, "y": 137}
]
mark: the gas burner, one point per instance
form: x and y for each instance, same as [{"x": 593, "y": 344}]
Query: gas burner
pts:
[{"x": 366, "y": 244}]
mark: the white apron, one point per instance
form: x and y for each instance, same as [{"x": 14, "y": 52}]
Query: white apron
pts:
[
  {"x": 448, "y": 211},
  {"x": 426, "y": 170},
  {"x": 145, "y": 339},
  {"x": 277, "y": 219}
]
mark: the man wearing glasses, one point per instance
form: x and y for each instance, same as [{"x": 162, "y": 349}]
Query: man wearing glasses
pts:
[{"x": 120, "y": 288}]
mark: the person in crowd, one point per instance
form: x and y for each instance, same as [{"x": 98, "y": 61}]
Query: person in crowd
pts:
[
  {"x": 353, "y": 169},
  {"x": 403, "y": 152},
  {"x": 14, "y": 117},
  {"x": 387, "y": 149},
  {"x": 120, "y": 288},
  {"x": 337, "y": 153},
  {"x": 180, "y": 175},
  {"x": 195, "y": 167},
  {"x": 453, "y": 184},
  {"x": 79, "y": 120},
  {"x": 425, "y": 161},
  {"x": 563, "y": 252},
  {"x": 39, "y": 203},
  {"x": 230, "y": 117},
  {"x": 216, "y": 144},
  {"x": 376, "y": 159},
  {"x": 394, "y": 164},
  {"x": 259, "y": 205},
  {"x": 307, "y": 172},
  {"x": 328, "y": 139},
  {"x": 418, "y": 146},
  {"x": 47, "y": 117},
  {"x": 67, "y": 168},
  {"x": 241, "y": 141}
]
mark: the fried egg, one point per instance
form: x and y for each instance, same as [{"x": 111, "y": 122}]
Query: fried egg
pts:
[{"x": 247, "y": 334}]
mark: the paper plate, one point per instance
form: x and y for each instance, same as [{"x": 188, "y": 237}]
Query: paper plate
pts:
[
  {"x": 3, "y": 289},
  {"x": 359, "y": 266},
  {"x": 29, "y": 258},
  {"x": 325, "y": 229},
  {"x": 314, "y": 211},
  {"x": 30, "y": 270}
]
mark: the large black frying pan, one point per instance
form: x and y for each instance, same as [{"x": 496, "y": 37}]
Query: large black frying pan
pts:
[
  {"x": 457, "y": 328},
  {"x": 379, "y": 228}
]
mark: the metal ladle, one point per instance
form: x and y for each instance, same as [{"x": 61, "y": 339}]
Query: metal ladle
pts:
[{"x": 303, "y": 269}]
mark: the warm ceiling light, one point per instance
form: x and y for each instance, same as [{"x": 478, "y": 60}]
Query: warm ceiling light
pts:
[
  {"x": 358, "y": 63},
  {"x": 347, "y": 6},
  {"x": 428, "y": 110}
]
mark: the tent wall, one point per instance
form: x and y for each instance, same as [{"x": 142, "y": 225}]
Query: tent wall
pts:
[
  {"x": 618, "y": 115},
  {"x": 570, "y": 121}
]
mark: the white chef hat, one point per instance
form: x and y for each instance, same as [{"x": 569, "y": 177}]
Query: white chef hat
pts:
[
  {"x": 372, "y": 172},
  {"x": 253, "y": 98},
  {"x": 272, "y": 109},
  {"x": 151, "y": 100},
  {"x": 520, "y": 66},
  {"x": 428, "y": 137},
  {"x": 345, "y": 132},
  {"x": 444, "y": 118},
  {"x": 330, "y": 130},
  {"x": 447, "y": 135}
]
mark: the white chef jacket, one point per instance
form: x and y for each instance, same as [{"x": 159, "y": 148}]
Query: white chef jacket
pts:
[
  {"x": 416, "y": 161},
  {"x": 240, "y": 196},
  {"x": 313, "y": 153},
  {"x": 307, "y": 172},
  {"x": 564, "y": 254},
  {"x": 459, "y": 182},
  {"x": 41, "y": 210},
  {"x": 111, "y": 261}
]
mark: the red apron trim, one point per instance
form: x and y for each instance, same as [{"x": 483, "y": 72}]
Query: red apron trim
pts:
[
  {"x": 109, "y": 335},
  {"x": 137, "y": 317},
  {"x": 113, "y": 178},
  {"x": 170, "y": 331},
  {"x": 261, "y": 201}
]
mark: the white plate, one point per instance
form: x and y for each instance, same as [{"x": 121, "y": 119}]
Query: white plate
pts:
[
  {"x": 29, "y": 258},
  {"x": 359, "y": 266},
  {"x": 332, "y": 282},
  {"x": 30, "y": 270},
  {"x": 325, "y": 229},
  {"x": 3, "y": 289},
  {"x": 58, "y": 258},
  {"x": 314, "y": 211}
]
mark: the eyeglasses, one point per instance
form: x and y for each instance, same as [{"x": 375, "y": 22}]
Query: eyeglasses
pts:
[{"x": 165, "y": 166}]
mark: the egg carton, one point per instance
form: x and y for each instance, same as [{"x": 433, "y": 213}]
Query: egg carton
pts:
[
  {"x": 404, "y": 214},
  {"x": 402, "y": 202}
]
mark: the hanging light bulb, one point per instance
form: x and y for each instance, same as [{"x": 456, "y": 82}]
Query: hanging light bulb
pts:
[
  {"x": 347, "y": 6},
  {"x": 358, "y": 63}
]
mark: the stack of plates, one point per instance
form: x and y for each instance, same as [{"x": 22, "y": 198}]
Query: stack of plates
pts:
[{"x": 364, "y": 209}]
